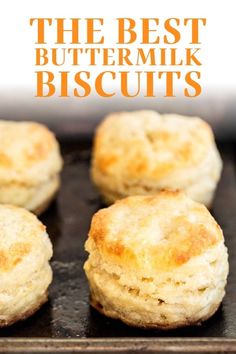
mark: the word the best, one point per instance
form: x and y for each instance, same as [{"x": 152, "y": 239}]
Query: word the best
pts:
[{"x": 131, "y": 57}]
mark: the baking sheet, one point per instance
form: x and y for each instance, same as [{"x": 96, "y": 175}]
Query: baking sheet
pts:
[{"x": 68, "y": 314}]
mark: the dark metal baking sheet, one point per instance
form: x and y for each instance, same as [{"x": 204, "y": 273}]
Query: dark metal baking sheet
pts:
[{"x": 67, "y": 323}]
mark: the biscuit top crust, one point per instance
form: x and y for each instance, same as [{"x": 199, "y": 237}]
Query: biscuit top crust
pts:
[
  {"x": 158, "y": 232},
  {"x": 29, "y": 152},
  {"x": 21, "y": 234},
  {"x": 145, "y": 143}
]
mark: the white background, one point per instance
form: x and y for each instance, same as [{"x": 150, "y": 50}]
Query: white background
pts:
[{"x": 17, "y": 80}]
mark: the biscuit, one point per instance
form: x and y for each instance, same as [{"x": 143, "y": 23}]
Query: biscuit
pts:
[
  {"x": 140, "y": 153},
  {"x": 25, "y": 273},
  {"x": 156, "y": 261},
  {"x": 30, "y": 163}
]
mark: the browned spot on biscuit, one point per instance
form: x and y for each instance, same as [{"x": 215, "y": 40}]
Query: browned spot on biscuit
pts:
[
  {"x": 98, "y": 229},
  {"x": 139, "y": 165},
  {"x": 183, "y": 244},
  {"x": 5, "y": 161},
  {"x": 38, "y": 152},
  {"x": 185, "y": 153},
  {"x": 14, "y": 255},
  {"x": 116, "y": 248},
  {"x": 104, "y": 162},
  {"x": 42, "y": 227},
  {"x": 182, "y": 239},
  {"x": 161, "y": 136}
]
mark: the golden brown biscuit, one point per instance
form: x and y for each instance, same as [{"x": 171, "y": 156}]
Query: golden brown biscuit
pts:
[
  {"x": 25, "y": 273},
  {"x": 156, "y": 261},
  {"x": 30, "y": 163},
  {"x": 140, "y": 153}
]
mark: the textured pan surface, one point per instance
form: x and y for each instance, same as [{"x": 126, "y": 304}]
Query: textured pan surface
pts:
[{"x": 68, "y": 314}]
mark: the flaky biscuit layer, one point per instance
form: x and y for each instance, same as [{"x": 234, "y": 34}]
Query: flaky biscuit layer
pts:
[
  {"x": 156, "y": 261},
  {"x": 25, "y": 273}
]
